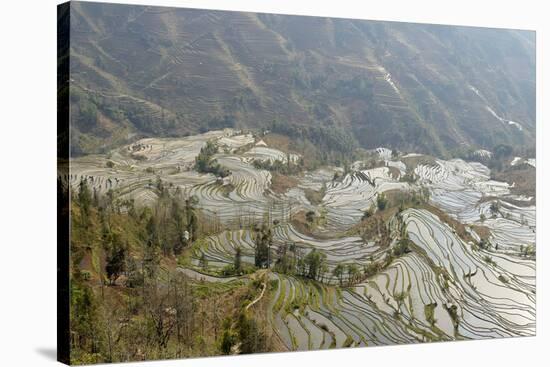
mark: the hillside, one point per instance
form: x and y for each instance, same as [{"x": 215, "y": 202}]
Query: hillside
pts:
[
  {"x": 139, "y": 71},
  {"x": 222, "y": 243}
]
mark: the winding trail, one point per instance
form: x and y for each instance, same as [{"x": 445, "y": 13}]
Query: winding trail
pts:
[{"x": 264, "y": 286}]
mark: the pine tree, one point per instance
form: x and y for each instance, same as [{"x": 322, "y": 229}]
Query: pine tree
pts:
[
  {"x": 238, "y": 260},
  {"x": 116, "y": 260},
  {"x": 84, "y": 197}
]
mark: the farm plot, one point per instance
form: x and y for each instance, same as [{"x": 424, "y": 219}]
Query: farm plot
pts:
[
  {"x": 493, "y": 301},
  {"x": 244, "y": 197},
  {"x": 133, "y": 169},
  {"x": 219, "y": 250},
  {"x": 351, "y": 249},
  {"x": 270, "y": 154},
  {"x": 459, "y": 188},
  {"x": 346, "y": 200},
  {"x": 307, "y": 315},
  {"x": 442, "y": 289}
]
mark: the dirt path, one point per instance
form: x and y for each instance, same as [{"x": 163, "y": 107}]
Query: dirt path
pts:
[{"x": 264, "y": 286}]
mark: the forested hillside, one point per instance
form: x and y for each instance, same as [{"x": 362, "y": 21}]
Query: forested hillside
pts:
[{"x": 337, "y": 83}]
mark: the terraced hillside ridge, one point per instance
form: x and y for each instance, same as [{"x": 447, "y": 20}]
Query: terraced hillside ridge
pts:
[
  {"x": 221, "y": 243},
  {"x": 155, "y": 72},
  {"x": 241, "y": 183}
]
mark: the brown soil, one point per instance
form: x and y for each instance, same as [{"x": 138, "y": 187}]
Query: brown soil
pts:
[
  {"x": 524, "y": 178},
  {"x": 413, "y": 162},
  {"x": 278, "y": 141},
  {"x": 394, "y": 172},
  {"x": 314, "y": 197},
  {"x": 453, "y": 223},
  {"x": 482, "y": 231},
  {"x": 282, "y": 183}
]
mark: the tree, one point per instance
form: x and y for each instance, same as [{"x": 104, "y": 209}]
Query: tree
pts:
[
  {"x": 151, "y": 259},
  {"x": 84, "y": 316},
  {"x": 314, "y": 262},
  {"x": 192, "y": 221},
  {"x": 228, "y": 338},
  {"x": 116, "y": 260},
  {"x": 238, "y": 259},
  {"x": 84, "y": 197},
  {"x": 353, "y": 272},
  {"x": 151, "y": 228},
  {"x": 251, "y": 338},
  {"x": 135, "y": 276},
  {"x": 338, "y": 272},
  {"x": 95, "y": 198},
  {"x": 205, "y": 164},
  {"x": 310, "y": 216},
  {"x": 323, "y": 270},
  {"x": 160, "y": 314},
  {"x": 263, "y": 242},
  {"x": 181, "y": 235},
  {"x": 381, "y": 202}
]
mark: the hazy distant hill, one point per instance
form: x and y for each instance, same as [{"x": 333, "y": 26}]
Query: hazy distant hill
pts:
[{"x": 165, "y": 71}]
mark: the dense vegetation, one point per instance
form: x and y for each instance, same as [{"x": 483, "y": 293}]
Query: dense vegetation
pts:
[
  {"x": 205, "y": 164},
  {"x": 127, "y": 300}
]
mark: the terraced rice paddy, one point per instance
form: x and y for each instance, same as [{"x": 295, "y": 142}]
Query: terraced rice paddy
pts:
[
  {"x": 346, "y": 200},
  {"x": 446, "y": 287}
]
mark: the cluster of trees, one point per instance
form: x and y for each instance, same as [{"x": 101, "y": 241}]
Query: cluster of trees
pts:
[
  {"x": 243, "y": 334},
  {"x": 205, "y": 164},
  {"x": 139, "y": 310},
  {"x": 402, "y": 199},
  {"x": 292, "y": 260},
  {"x": 325, "y": 138},
  {"x": 358, "y": 86},
  {"x": 285, "y": 168},
  {"x": 167, "y": 227},
  {"x": 83, "y": 108},
  {"x": 527, "y": 251},
  {"x": 150, "y": 321},
  {"x": 355, "y": 274},
  {"x": 263, "y": 242},
  {"x": 498, "y": 161},
  {"x": 238, "y": 267},
  {"x": 87, "y": 106},
  {"x": 219, "y": 122},
  {"x": 375, "y": 227},
  {"x": 158, "y": 315},
  {"x": 172, "y": 225},
  {"x": 352, "y": 270}
]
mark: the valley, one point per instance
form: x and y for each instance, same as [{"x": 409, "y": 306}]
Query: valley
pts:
[
  {"x": 236, "y": 182},
  {"x": 390, "y": 248}
]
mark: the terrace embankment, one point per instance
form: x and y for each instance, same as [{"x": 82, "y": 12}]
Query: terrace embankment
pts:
[{"x": 395, "y": 248}]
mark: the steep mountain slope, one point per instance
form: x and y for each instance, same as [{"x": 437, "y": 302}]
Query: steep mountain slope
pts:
[{"x": 168, "y": 72}]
